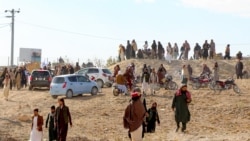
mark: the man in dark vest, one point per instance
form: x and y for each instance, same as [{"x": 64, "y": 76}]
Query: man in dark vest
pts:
[{"x": 50, "y": 124}]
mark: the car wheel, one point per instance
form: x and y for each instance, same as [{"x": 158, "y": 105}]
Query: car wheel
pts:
[
  {"x": 109, "y": 85},
  {"x": 94, "y": 91},
  {"x": 99, "y": 83},
  {"x": 30, "y": 87},
  {"x": 69, "y": 94},
  {"x": 54, "y": 96}
]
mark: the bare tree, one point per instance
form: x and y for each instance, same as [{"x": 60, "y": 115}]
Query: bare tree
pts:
[{"x": 98, "y": 62}]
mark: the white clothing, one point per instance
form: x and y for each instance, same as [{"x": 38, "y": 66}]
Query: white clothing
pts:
[
  {"x": 35, "y": 135},
  {"x": 169, "y": 57},
  {"x": 154, "y": 81},
  {"x": 123, "y": 88},
  {"x": 184, "y": 72},
  {"x": 145, "y": 47},
  {"x": 137, "y": 134},
  {"x": 144, "y": 86},
  {"x": 153, "y": 87},
  {"x": 122, "y": 56}
]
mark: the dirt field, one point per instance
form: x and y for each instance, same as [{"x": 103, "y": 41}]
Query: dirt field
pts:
[{"x": 221, "y": 116}]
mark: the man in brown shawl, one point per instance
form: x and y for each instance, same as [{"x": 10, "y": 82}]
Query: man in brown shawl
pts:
[{"x": 134, "y": 117}]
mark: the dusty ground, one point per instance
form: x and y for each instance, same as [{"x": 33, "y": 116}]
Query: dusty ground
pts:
[{"x": 214, "y": 116}]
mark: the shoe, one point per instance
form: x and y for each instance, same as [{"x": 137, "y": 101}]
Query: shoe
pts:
[{"x": 183, "y": 130}]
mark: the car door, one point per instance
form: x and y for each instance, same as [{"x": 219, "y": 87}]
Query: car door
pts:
[
  {"x": 85, "y": 84},
  {"x": 73, "y": 85},
  {"x": 93, "y": 73}
]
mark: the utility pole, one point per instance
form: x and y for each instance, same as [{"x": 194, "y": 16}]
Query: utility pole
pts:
[{"x": 12, "y": 33}]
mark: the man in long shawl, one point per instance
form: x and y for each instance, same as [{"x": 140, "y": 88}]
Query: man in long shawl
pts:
[
  {"x": 62, "y": 119},
  {"x": 134, "y": 116},
  {"x": 128, "y": 50},
  {"x": 180, "y": 106},
  {"x": 161, "y": 73}
]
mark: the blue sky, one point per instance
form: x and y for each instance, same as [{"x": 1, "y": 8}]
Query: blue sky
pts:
[{"x": 88, "y": 29}]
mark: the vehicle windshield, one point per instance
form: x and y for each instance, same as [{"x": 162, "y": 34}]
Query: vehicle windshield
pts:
[
  {"x": 106, "y": 71},
  {"x": 58, "y": 80},
  {"x": 84, "y": 71},
  {"x": 40, "y": 74}
]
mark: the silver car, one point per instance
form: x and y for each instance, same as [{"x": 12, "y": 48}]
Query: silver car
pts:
[{"x": 72, "y": 85}]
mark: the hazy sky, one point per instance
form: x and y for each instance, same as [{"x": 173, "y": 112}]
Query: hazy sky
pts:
[{"x": 85, "y": 29}]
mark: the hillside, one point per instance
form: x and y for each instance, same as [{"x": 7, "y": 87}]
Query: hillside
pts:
[
  {"x": 215, "y": 116},
  {"x": 227, "y": 67}
]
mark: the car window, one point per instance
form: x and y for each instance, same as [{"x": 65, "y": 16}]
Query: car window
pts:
[
  {"x": 93, "y": 71},
  {"x": 82, "y": 71},
  {"x": 58, "y": 80},
  {"x": 106, "y": 71},
  {"x": 72, "y": 79},
  {"x": 40, "y": 74},
  {"x": 82, "y": 79}
]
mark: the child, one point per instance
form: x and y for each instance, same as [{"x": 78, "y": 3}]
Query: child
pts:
[
  {"x": 50, "y": 120},
  {"x": 152, "y": 118},
  {"x": 6, "y": 86}
]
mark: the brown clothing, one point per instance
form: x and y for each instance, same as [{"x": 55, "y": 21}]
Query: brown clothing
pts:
[
  {"x": 134, "y": 115},
  {"x": 62, "y": 118},
  {"x": 120, "y": 79},
  {"x": 39, "y": 123}
]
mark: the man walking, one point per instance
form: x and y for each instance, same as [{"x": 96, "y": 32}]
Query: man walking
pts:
[
  {"x": 36, "y": 127},
  {"x": 50, "y": 124},
  {"x": 62, "y": 119},
  {"x": 180, "y": 106}
]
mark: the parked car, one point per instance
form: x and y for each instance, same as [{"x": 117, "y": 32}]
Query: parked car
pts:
[
  {"x": 39, "y": 78},
  {"x": 102, "y": 76},
  {"x": 72, "y": 85}
]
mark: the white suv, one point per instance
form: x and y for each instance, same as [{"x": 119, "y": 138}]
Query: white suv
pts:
[{"x": 102, "y": 76}]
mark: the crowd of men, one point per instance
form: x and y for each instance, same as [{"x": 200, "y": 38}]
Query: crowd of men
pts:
[{"x": 171, "y": 52}]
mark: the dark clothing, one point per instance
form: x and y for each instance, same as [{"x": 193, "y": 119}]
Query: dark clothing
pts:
[
  {"x": 151, "y": 119},
  {"x": 205, "y": 51},
  {"x": 52, "y": 130},
  {"x": 128, "y": 51},
  {"x": 23, "y": 79},
  {"x": 161, "y": 74},
  {"x": 140, "y": 54},
  {"x": 71, "y": 70},
  {"x": 62, "y": 118},
  {"x": 160, "y": 51},
  {"x": 239, "y": 69},
  {"x": 134, "y": 115},
  {"x": 154, "y": 46},
  {"x": 190, "y": 70},
  {"x": 239, "y": 55},
  {"x": 146, "y": 76},
  {"x": 182, "y": 49},
  {"x": 180, "y": 104}
]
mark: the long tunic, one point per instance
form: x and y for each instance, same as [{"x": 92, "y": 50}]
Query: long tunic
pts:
[
  {"x": 6, "y": 88},
  {"x": 35, "y": 135},
  {"x": 216, "y": 73},
  {"x": 180, "y": 104}
]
